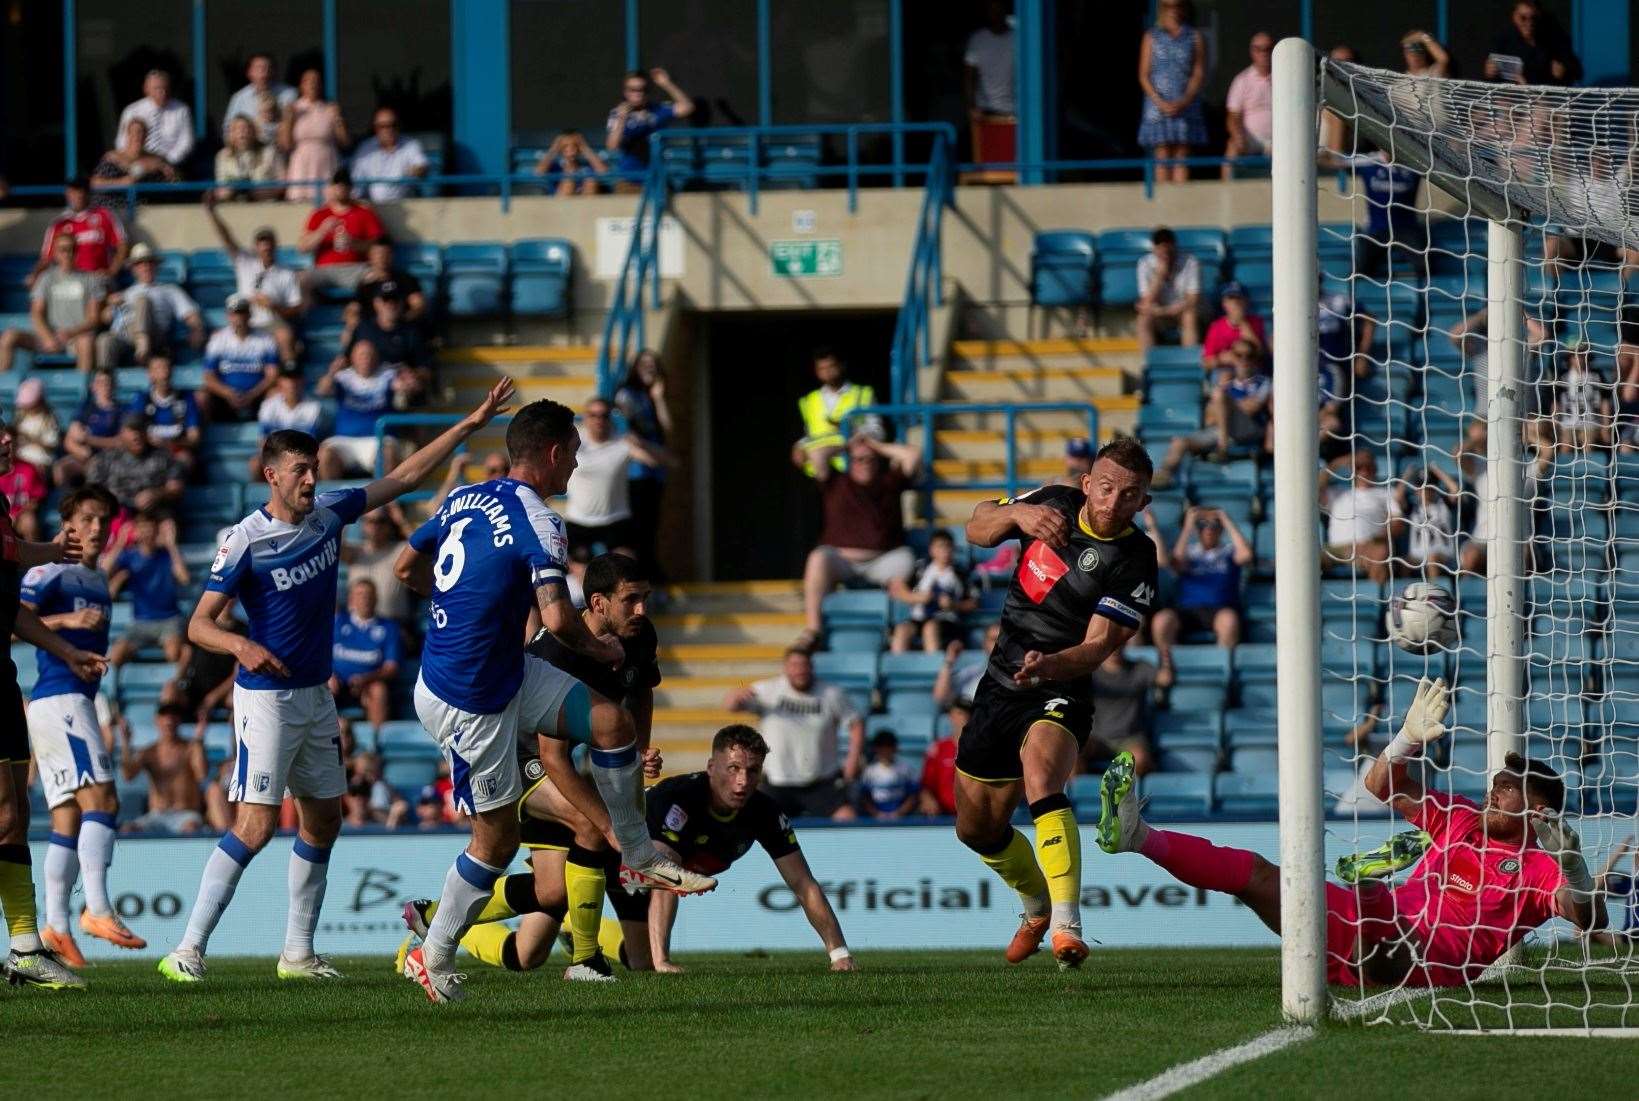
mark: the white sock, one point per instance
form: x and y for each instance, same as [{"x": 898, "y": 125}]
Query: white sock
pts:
[
  {"x": 62, "y": 869},
  {"x": 97, "y": 832},
  {"x": 467, "y": 886},
  {"x": 222, "y": 871},
  {"x": 618, "y": 775},
  {"x": 309, "y": 865}
]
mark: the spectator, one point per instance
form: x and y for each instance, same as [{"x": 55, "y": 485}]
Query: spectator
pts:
[
  {"x": 824, "y": 408},
  {"x": 430, "y": 809},
  {"x": 572, "y": 164},
  {"x": 99, "y": 238},
  {"x": 888, "y": 787},
  {"x": 1427, "y": 500},
  {"x": 169, "y": 121},
  {"x": 136, "y": 472},
  {"x": 802, "y": 721},
  {"x": 1423, "y": 55},
  {"x": 1363, "y": 518},
  {"x": 129, "y": 163},
  {"x": 597, "y": 509},
  {"x": 240, "y": 366},
  {"x": 338, "y": 234},
  {"x": 203, "y": 684},
  {"x": 1237, "y": 323},
  {"x": 146, "y": 562},
  {"x": 1344, "y": 334},
  {"x": 1078, "y": 461},
  {"x": 312, "y": 135},
  {"x": 384, "y": 538},
  {"x": 1169, "y": 292},
  {"x": 366, "y": 655},
  {"x": 382, "y": 278},
  {"x": 263, "y": 100},
  {"x": 1208, "y": 596},
  {"x": 400, "y": 345},
  {"x": 1237, "y": 416},
  {"x": 1581, "y": 412},
  {"x": 173, "y": 415},
  {"x": 286, "y": 406},
  {"x": 1171, "y": 70},
  {"x": 140, "y": 318},
  {"x": 958, "y": 684},
  {"x": 862, "y": 534},
  {"x": 95, "y": 428},
  {"x": 987, "y": 66},
  {"x": 1123, "y": 690},
  {"x": 246, "y": 159},
  {"x": 64, "y": 307},
  {"x": 1249, "y": 107},
  {"x": 388, "y": 156},
  {"x": 940, "y": 592},
  {"x": 1395, "y": 228},
  {"x": 25, "y": 491},
  {"x": 641, "y": 399},
  {"x": 938, "y": 787},
  {"x": 634, "y": 119},
  {"x": 1337, "y": 132},
  {"x": 364, "y": 392},
  {"x": 36, "y": 431},
  {"x": 1532, "y": 49},
  {"x": 175, "y": 769},
  {"x": 369, "y": 800},
  {"x": 274, "y": 291}
]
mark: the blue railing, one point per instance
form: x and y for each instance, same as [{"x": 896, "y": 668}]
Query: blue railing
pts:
[
  {"x": 923, "y": 414},
  {"x": 924, "y": 284},
  {"x": 624, "y": 326}
]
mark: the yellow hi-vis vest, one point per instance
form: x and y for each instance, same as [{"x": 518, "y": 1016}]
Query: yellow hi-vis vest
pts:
[{"x": 824, "y": 429}]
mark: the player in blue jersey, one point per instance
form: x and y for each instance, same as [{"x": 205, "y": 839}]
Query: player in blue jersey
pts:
[
  {"x": 494, "y": 551},
  {"x": 75, "y": 770},
  {"x": 280, "y": 562}
]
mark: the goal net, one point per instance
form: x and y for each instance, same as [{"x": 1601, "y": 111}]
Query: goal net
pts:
[{"x": 1477, "y": 365}]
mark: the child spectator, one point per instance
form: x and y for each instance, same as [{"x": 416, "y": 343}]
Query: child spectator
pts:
[
  {"x": 938, "y": 788},
  {"x": 571, "y": 165},
  {"x": 95, "y": 427},
  {"x": 887, "y": 787},
  {"x": 147, "y": 562},
  {"x": 939, "y": 593}
]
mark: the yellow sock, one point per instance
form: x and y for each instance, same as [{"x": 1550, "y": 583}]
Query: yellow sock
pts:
[
  {"x": 1058, "y": 847},
  {"x": 485, "y": 943},
  {"x": 1017, "y": 866},
  {"x": 584, "y": 885},
  {"x": 500, "y": 905},
  {"x": 611, "y": 939},
  {"x": 17, "y": 891}
]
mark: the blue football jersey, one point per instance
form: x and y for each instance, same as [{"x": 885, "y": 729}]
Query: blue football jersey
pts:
[
  {"x": 284, "y": 576},
  {"x": 492, "y": 544},
  {"x": 363, "y": 646},
  {"x": 57, "y": 588}
]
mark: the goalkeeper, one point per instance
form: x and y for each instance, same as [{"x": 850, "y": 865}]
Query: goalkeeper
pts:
[{"x": 1492, "y": 873}]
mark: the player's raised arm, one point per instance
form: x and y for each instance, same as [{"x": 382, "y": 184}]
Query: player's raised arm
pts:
[
  {"x": 793, "y": 867},
  {"x": 995, "y": 521},
  {"x": 1424, "y": 724},
  {"x": 416, "y": 469}
]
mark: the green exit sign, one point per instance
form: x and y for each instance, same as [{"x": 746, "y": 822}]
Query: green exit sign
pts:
[{"x": 806, "y": 257}]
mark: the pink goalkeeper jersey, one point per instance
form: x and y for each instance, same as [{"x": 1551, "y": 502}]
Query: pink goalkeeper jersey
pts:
[{"x": 1470, "y": 898}]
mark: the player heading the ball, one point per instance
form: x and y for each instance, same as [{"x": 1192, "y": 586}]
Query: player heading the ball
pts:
[{"x": 280, "y": 563}]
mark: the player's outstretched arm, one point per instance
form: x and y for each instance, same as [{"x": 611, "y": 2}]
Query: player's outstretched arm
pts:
[
  {"x": 993, "y": 522},
  {"x": 800, "y": 879},
  {"x": 1424, "y": 724},
  {"x": 1576, "y": 899},
  {"x": 415, "y": 470}
]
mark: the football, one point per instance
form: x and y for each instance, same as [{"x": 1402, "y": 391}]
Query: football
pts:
[{"x": 1423, "y": 618}]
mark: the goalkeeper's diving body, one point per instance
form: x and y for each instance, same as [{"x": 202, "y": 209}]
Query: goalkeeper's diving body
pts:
[{"x": 1493, "y": 871}]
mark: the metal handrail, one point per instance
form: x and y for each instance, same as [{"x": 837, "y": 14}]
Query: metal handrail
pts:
[
  {"x": 924, "y": 282},
  {"x": 625, "y": 319}
]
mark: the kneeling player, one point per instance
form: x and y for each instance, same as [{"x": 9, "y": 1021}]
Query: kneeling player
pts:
[{"x": 1482, "y": 885}]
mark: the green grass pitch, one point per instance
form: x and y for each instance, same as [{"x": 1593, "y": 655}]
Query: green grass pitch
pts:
[{"x": 908, "y": 1025}]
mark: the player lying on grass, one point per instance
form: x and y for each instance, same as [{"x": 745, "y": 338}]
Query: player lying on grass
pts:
[
  {"x": 705, "y": 821},
  {"x": 1492, "y": 872}
]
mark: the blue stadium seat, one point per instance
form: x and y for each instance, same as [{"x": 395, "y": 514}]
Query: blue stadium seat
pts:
[
  {"x": 855, "y": 619},
  {"x": 211, "y": 277},
  {"x": 219, "y": 743},
  {"x": 1176, "y": 795},
  {"x": 408, "y": 775},
  {"x": 854, "y": 673},
  {"x": 1247, "y": 795},
  {"x": 1061, "y": 268},
  {"x": 907, "y": 681},
  {"x": 726, "y": 160},
  {"x": 140, "y": 680},
  {"x": 1188, "y": 759},
  {"x": 1174, "y": 730},
  {"x": 1256, "y": 760},
  {"x": 915, "y": 732},
  {"x": 422, "y": 259},
  {"x": 475, "y": 276},
  {"x": 1084, "y": 797},
  {"x": 792, "y": 162},
  {"x": 1244, "y": 726},
  {"x": 541, "y": 269}
]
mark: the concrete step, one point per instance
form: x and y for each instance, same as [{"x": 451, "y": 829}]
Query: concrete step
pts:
[
  {"x": 978, "y": 444},
  {"x": 731, "y": 628},
  {"x": 571, "y": 390},
  {"x": 699, "y": 692},
  {"x": 748, "y": 660},
  {"x": 1117, "y": 411},
  {"x": 1038, "y": 470},
  {"x": 1015, "y": 355},
  {"x": 682, "y": 752},
  {"x": 1036, "y": 384},
  {"x": 683, "y": 735},
  {"x": 515, "y": 355},
  {"x": 735, "y": 596}
]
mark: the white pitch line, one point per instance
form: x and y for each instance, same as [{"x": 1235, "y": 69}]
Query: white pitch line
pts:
[
  {"x": 1584, "y": 1033},
  {"x": 1196, "y": 1071}
]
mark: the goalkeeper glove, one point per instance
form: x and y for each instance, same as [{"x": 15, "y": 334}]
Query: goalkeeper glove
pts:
[
  {"x": 1561, "y": 842},
  {"x": 1424, "y": 721}
]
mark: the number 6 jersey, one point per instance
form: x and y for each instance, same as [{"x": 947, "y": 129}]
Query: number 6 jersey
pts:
[
  {"x": 492, "y": 545},
  {"x": 1058, "y": 590}
]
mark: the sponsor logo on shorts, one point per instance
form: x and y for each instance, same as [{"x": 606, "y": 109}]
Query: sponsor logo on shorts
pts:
[
  {"x": 676, "y": 817},
  {"x": 484, "y": 787},
  {"x": 1088, "y": 562},
  {"x": 1053, "y": 708}
]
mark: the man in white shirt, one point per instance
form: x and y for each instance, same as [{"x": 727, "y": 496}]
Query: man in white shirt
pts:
[
  {"x": 597, "y": 508},
  {"x": 248, "y": 100},
  {"x": 140, "y": 318},
  {"x": 169, "y": 121},
  {"x": 987, "y": 65},
  {"x": 1249, "y": 106},
  {"x": 1363, "y": 519},
  {"x": 1169, "y": 292},
  {"x": 274, "y": 291},
  {"x": 801, "y": 721},
  {"x": 387, "y": 156}
]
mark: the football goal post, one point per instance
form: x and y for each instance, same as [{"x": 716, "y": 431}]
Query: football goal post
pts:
[{"x": 1456, "y": 402}]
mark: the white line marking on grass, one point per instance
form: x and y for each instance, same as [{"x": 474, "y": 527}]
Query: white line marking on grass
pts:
[
  {"x": 1196, "y": 1071},
  {"x": 1586, "y": 1033}
]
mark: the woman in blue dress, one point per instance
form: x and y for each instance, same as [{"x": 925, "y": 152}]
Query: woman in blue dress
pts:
[{"x": 1171, "y": 70}]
